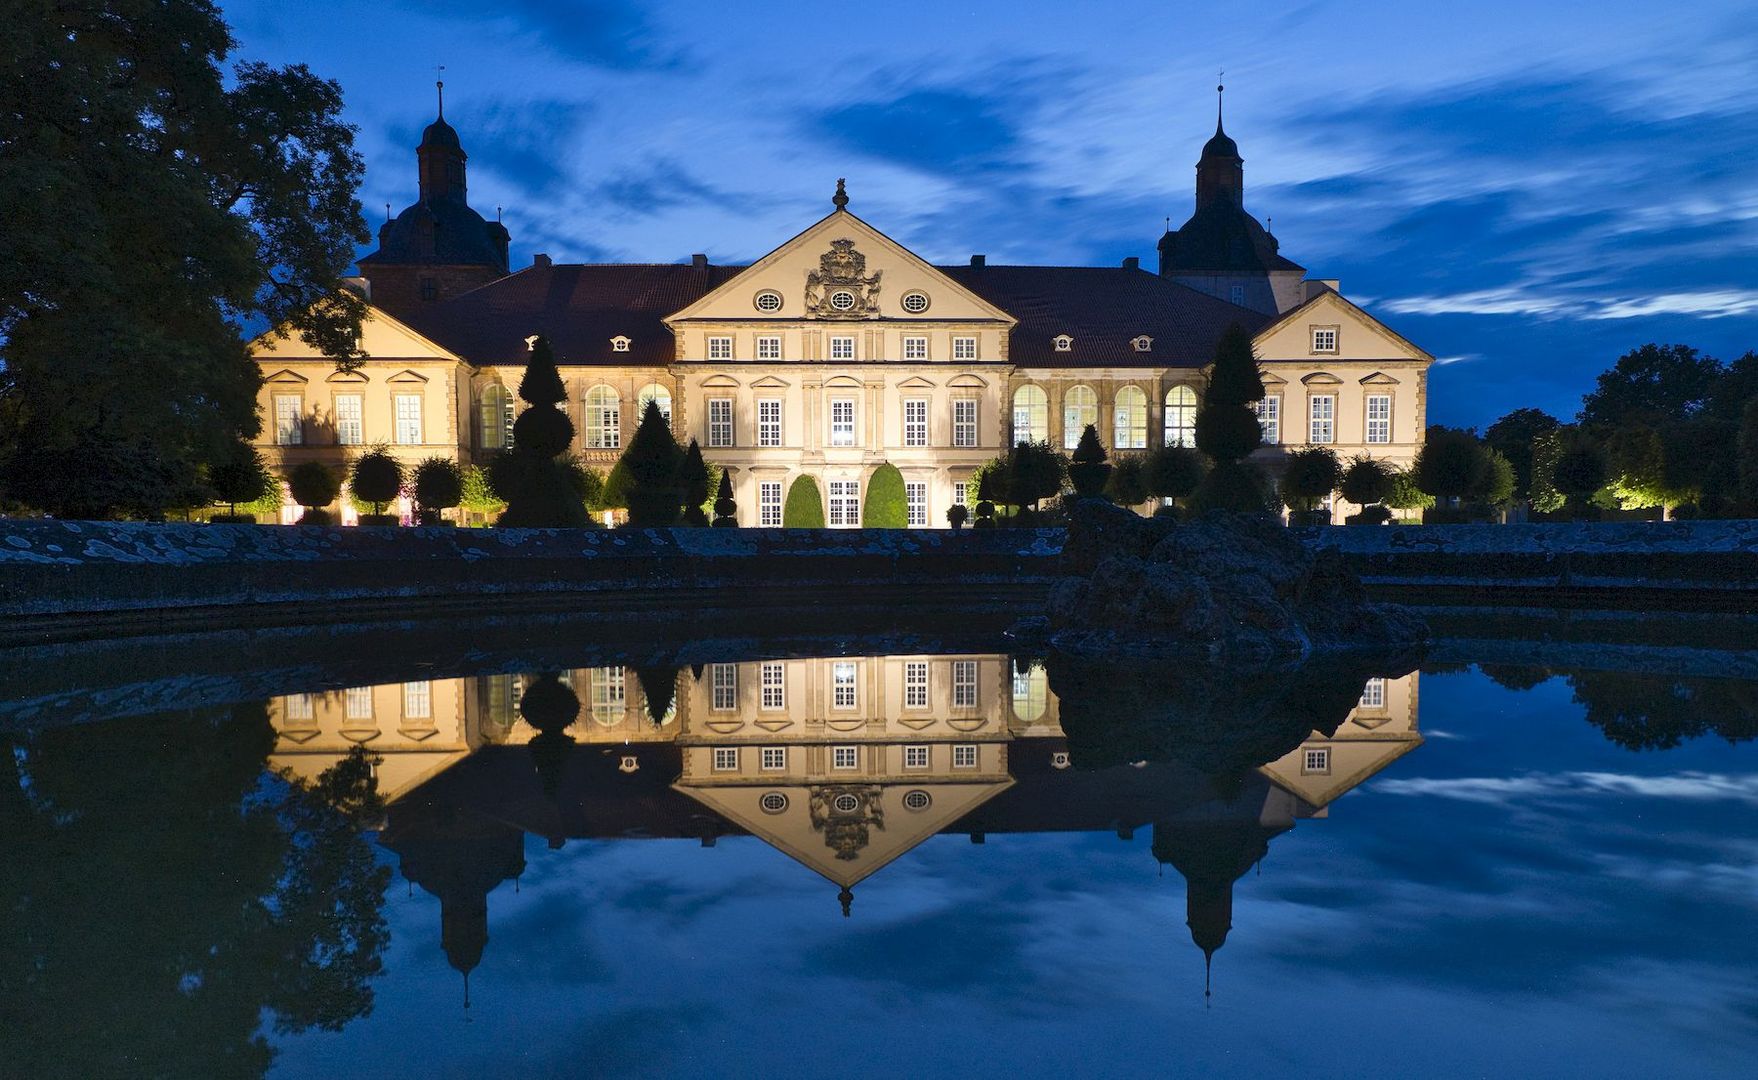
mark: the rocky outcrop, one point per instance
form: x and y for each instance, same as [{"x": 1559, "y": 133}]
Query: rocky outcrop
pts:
[{"x": 1238, "y": 589}]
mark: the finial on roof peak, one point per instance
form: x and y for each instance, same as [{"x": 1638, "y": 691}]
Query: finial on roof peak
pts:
[
  {"x": 1220, "y": 91},
  {"x": 439, "y": 84},
  {"x": 840, "y": 199},
  {"x": 847, "y": 896}
]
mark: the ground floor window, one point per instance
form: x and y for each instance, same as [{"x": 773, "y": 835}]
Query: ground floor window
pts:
[
  {"x": 769, "y": 504},
  {"x": 845, "y": 503},
  {"x": 915, "y": 497}
]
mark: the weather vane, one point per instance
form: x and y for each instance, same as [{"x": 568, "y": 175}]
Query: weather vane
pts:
[{"x": 439, "y": 82}]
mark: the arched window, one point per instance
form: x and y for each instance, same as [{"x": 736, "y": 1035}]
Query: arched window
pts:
[
  {"x": 1031, "y": 415},
  {"x": 606, "y": 701},
  {"x": 1131, "y": 420},
  {"x": 655, "y": 393},
  {"x": 495, "y": 418},
  {"x": 1181, "y": 416},
  {"x": 604, "y": 424},
  {"x": 1080, "y": 407},
  {"x": 1030, "y": 693}
]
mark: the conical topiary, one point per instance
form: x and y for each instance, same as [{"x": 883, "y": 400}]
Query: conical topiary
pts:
[
  {"x": 1088, "y": 470},
  {"x": 725, "y": 510},
  {"x": 1227, "y": 427},
  {"x": 537, "y": 487},
  {"x": 693, "y": 479},
  {"x": 653, "y": 463}
]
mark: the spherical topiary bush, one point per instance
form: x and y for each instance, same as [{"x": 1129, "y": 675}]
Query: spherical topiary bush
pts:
[
  {"x": 314, "y": 486},
  {"x": 439, "y": 486},
  {"x": 377, "y": 478}
]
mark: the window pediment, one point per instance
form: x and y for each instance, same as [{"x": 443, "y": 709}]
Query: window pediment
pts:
[
  {"x": 916, "y": 382},
  {"x": 1272, "y": 379},
  {"x": 1378, "y": 378},
  {"x": 843, "y": 382},
  {"x": 407, "y": 376},
  {"x": 1322, "y": 378},
  {"x": 720, "y": 381},
  {"x": 967, "y": 382},
  {"x": 287, "y": 375},
  {"x": 346, "y": 377},
  {"x": 770, "y": 382}
]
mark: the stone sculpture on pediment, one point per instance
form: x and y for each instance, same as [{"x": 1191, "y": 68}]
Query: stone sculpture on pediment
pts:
[{"x": 842, "y": 270}]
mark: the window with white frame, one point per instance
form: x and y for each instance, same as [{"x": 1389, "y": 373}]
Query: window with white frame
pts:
[
  {"x": 658, "y": 395},
  {"x": 289, "y": 423},
  {"x": 1373, "y": 695},
  {"x": 726, "y": 759},
  {"x": 298, "y": 706},
  {"x": 915, "y": 302},
  {"x": 769, "y": 347},
  {"x": 960, "y": 490},
  {"x": 915, "y": 757},
  {"x": 1324, "y": 339},
  {"x": 620, "y": 343},
  {"x": 964, "y": 348},
  {"x": 845, "y": 757},
  {"x": 769, "y": 422},
  {"x": 842, "y": 421},
  {"x": 964, "y": 684},
  {"x": 1316, "y": 760},
  {"x": 604, "y": 424},
  {"x": 1062, "y": 343},
  {"x": 769, "y": 504},
  {"x": 720, "y": 429},
  {"x": 351, "y": 427},
  {"x": 915, "y": 498},
  {"x": 608, "y": 697},
  {"x": 1080, "y": 407},
  {"x": 723, "y": 683},
  {"x": 773, "y": 676},
  {"x": 1269, "y": 418},
  {"x": 1031, "y": 414},
  {"x": 845, "y": 504},
  {"x": 408, "y": 414},
  {"x": 1130, "y": 426},
  {"x": 842, "y": 348},
  {"x": 1379, "y": 418},
  {"x": 842, "y": 684},
  {"x": 1322, "y": 427},
  {"x": 418, "y": 700},
  {"x": 774, "y": 758},
  {"x": 915, "y": 348},
  {"x": 964, "y": 756},
  {"x": 1181, "y": 416},
  {"x": 720, "y": 348},
  {"x": 357, "y": 702},
  {"x": 915, "y": 684},
  {"x": 915, "y": 422},
  {"x": 768, "y": 301},
  {"x": 964, "y": 422}
]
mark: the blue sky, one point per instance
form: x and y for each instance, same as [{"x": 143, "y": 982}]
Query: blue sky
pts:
[{"x": 1526, "y": 191}]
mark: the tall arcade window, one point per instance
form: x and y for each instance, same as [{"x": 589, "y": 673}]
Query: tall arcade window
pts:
[
  {"x": 604, "y": 419},
  {"x": 289, "y": 428},
  {"x": 494, "y": 417},
  {"x": 845, "y": 504},
  {"x": 1080, "y": 407},
  {"x": 1181, "y": 416},
  {"x": 915, "y": 497},
  {"x": 1131, "y": 420},
  {"x": 607, "y": 696},
  {"x": 657, "y": 394},
  {"x": 769, "y": 504},
  {"x": 1031, "y": 415},
  {"x": 964, "y": 684}
]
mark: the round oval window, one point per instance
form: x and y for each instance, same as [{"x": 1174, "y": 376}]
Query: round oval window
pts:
[
  {"x": 915, "y": 303},
  {"x": 773, "y": 802},
  {"x": 846, "y": 804},
  {"x": 916, "y": 800},
  {"x": 768, "y": 301},
  {"x": 842, "y": 301}
]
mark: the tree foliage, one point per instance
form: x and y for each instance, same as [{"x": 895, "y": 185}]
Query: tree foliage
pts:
[
  {"x": 653, "y": 462},
  {"x": 693, "y": 481},
  {"x": 1513, "y": 437},
  {"x": 1128, "y": 485},
  {"x": 438, "y": 485},
  {"x": 1035, "y": 472},
  {"x": 726, "y": 511},
  {"x": 541, "y": 489},
  {"x": 885, "y": 505},
  {"x": 1651, "y": 385},
  {"x": 1175, "y": 472},
  {"x": 1088, "y": 469},
  {"x": 377, "y": 478},
  {"x": 1366, "y": 481},
  {"x": 1748, "y": 454},
  {"x": 242, "y": 477},
  {"x": 1309, "y": 475},
  {"x": 1227, "y": 427},
  {"x": 1451, "y": 464},
  {"x": 157, "y": 203}
]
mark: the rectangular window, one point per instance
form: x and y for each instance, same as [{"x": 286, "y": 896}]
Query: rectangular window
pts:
[
  {"x": 357, "y": 702},
  {"x": 289, "y": 423},
  {"x": 845, "y": 757},
  {"x": 1379, "y": 418},
  {"x": 1317, "y": 759},
  {"x": 720, "y": 348},
  {"x": 1373, "y": 695},
  {"x": 774, "y": 758},
  {"x": 915, "y": 499},
  {"x": 964, "y": 757},
  {"x": 350, "y": 429},
  {"x": 298, "y": 706},
  {"x": 769, "y": 422},
  {"x": 845, "y": 504},
  {"x": 418, "y": 700},
  {"x": 1324, "y": 339},
  {"x": 1269, "y": 418},
  {"x": 915, "y": 422},
  {"x": 842, "y": 348},
  {"x": 959, "y": 490},
  {"x": 726, "y": 759},
  {"x": 915, "y": 757},
  {"x": 842, "y": 683},
  {"x": 1236, "y": 294},
  {"x": 915, "y": 684},
  {"x": 724, "y": 687},
  {"x": 964, "y": 684},
  {"x": 769, "y": 504},
  {"x": 915, "y": 348},
  {"x": 769, "y": 348},
  {"x": 720, "y": 422},
  {"x": 1323, "y": 428},
  {"x": 964, "y": 348},
  {"x": 408, "y": 419},
  {"x": 842, "y": 421},
  {"x": 964, "y": 422},
  {"x": 774, "y": 680}
]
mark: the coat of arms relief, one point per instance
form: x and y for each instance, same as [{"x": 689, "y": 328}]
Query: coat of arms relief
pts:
[{"x": 841, "y": 288}]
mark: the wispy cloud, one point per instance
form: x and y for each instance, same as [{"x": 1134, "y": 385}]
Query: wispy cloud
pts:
[
  {"x": 607, "y": 33},
  {"x": 1691, "y": 786}
]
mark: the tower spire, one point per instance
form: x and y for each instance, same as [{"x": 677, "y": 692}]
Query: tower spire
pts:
[
  {"x": 1220, "y": 89},
  {"x": 439, "y": 84}
]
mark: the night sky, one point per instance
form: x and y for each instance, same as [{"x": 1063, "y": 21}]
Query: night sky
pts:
[{"x": 1526, "y": 191}]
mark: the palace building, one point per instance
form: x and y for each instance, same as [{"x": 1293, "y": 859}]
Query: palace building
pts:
[{"x": 839, "y": 351}]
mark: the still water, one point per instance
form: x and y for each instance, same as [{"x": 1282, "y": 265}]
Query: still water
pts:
[{"x": 928, "y": 864}]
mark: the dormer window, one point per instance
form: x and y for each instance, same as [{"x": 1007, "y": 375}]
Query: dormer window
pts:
[
  {"x": 619, "y": 344},
  {"x": 1063, "y": 343},
  {"x": 1142, "y": 343}
]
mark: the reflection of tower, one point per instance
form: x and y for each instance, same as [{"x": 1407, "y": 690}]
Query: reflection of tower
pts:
[
  {"x": 1211, "y": 855},
  {"x": 459, "y": 858}
]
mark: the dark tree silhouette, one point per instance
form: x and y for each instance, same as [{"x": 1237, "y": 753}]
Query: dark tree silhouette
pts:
[
  {"x": 653, "y": 462},
  {"x": 314, "y": 486},
  {"x": 725, "y": 510},
  {"x": 242, "y": 477},
  {"x": 693, "y": 479},
  {"x": 438, "y": 486},
  {"x": 539, "y": 489},
  {"x": 377, "y": 479},
  {"x": 1227, "y": 428},
  {"x": 1088, "y": 469}
]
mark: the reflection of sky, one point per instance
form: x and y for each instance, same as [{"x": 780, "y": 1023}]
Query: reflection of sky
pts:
[{"x": 1570, "y": 927}]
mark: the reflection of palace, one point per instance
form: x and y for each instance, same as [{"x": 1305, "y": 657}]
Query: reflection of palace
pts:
[{"x": 842, "y": 763}]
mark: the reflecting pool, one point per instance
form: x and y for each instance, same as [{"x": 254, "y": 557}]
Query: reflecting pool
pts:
[{"x": 830, "y": 862}]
